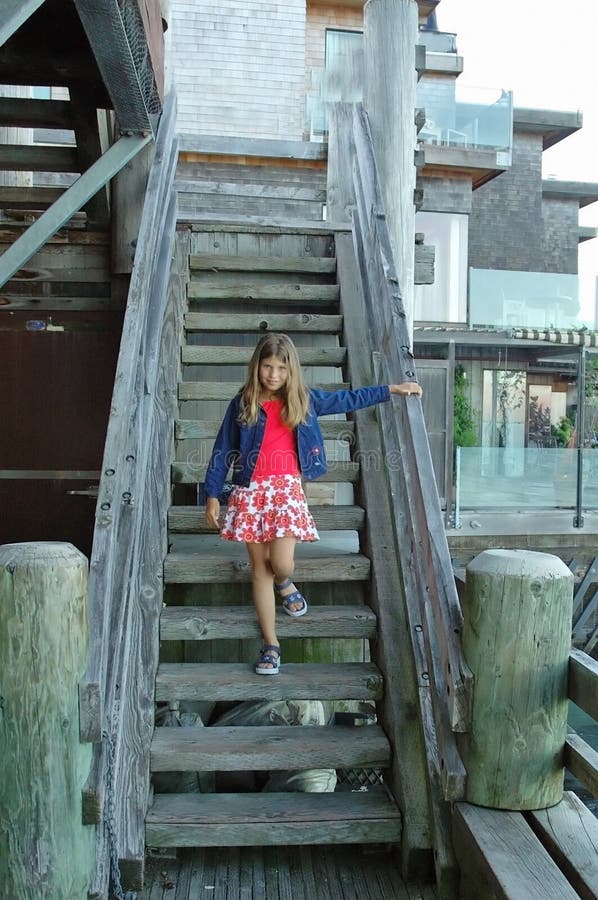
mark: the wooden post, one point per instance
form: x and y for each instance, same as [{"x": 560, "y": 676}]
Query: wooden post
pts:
[
  {"x": 44, "y": 848},
  {"x": 516, "y": 639},
  {"x": 390, "y": 36}
]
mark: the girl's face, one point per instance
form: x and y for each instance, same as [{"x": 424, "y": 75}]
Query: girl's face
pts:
[{"x": 272, "y": 373}]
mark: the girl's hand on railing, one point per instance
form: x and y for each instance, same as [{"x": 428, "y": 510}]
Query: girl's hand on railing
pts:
[
  {"x": 406, "y": 389},
  {"x": 212, "y": 512}
]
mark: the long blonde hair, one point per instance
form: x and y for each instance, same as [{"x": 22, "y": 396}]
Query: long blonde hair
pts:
[{"x": 294, "y": 394}]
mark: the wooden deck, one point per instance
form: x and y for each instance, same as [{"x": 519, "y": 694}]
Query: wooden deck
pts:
[{"x": 348, "y": 872}]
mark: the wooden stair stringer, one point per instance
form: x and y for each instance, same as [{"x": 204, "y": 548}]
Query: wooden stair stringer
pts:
[{"x": 397, "y": 651}]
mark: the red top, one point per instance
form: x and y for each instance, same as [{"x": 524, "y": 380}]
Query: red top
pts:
[{"x": 278, "y": 453}]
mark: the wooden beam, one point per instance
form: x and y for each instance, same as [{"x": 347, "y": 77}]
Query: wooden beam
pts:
[
  {"x": 582, "y": 761},
  {"x": 14, "y": 13},
  {"x": 89, "y": 149},
  {"x": 583, "y": 682},
  {"x": 72, "y": 200},
  {"x": 24, "y": 113}
]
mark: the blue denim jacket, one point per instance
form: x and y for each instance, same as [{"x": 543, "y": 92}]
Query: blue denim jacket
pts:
[{"x": 239, "y": 445}]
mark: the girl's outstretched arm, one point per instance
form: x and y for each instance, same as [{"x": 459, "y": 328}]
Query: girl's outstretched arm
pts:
[
  {"x": 406, "y": 388},
  {"x": 212, "y": 512}
]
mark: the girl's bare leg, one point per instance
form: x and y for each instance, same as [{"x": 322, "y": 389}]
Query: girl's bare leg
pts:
[
  {"x": 282, "y": 562},
  {"x": 263, "y": 590}
]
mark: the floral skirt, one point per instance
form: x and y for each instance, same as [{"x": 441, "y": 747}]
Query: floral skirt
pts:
[{"x": 273, "y": 506}]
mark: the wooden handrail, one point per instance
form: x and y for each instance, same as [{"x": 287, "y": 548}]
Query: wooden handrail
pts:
[
  {"x": 125, "y": 586},
  {"x": 422, "y": 544}
]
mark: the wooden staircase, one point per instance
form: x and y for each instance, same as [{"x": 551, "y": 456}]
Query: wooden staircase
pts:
[{"x": 241, "y": 285}]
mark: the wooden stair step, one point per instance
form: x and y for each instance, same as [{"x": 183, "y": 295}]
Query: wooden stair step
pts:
[
  {"x": 235, "y": 820},
  {"x": 191, "y": 519},
  {"x": 297, "y": 291},
  {"x": 314, "y": 265},
  {"x": 207, "y": 623},
  {"x": 189, "y": 568},
  {"x": 241, "y": 224},
  {"x": 226, "y": 390},
  {"x": 187, "y": 429},
  {"x": 21, "y": 112},
  {"x": 263, "y": 322},
  {"x": 240, "y": 356},
  {"x": 30, "y": 158},
  {"x": 339, "y": 472},
  {"x": 235, "y": 189},
  {"x": 268, "y": 748},
  {"x": 296, "y": 681},
  {"x": 29, "y": 197}
]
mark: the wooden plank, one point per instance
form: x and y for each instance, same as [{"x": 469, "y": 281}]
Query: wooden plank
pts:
[
  {"x": 188, "y": 568},
  {"x": 265, "y": 819},
  {"x": 339, "y": 471},
  {"x": 30, "y": 158},
  {"x": 262, "y": 224},
  {"x": 304, "y": 323},
  {"x": 240, "y": 356},
  {"x": 296, "y": 681},
  {"x": 297, "y": 292},
  {"x": 266, "y": 191},
  {"x": 191, "y": 519},
  {"x": 214, "y": 390},
  {"x": 73, "y": 199},
  {"x": 318, "y": 265},
  {"x": 196, "y": 429},
  {"x": 501, "y": 857},
  {"x": 254, "y": 748},
  {"x": 583, "y": 682},
  {"x": 582, "y": 761},
  {"x": 24, "y": 112},
  {"x": 569, "y": 832},
  {"x": 207, "y": 623}
]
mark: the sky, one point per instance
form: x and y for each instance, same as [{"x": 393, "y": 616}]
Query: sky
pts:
[{"x": 545, "y": 52}]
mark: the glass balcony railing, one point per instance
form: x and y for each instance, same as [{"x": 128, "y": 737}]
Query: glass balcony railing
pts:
[
  {"x": 468, "y": 117},
  {"x": 524, "y": 478},
  {"x": 437, "y": 41},
  {"x": 504, "y": 299}
]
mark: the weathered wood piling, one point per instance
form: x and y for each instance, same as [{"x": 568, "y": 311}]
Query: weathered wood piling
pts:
[
  {"x": 45, "y": 851},
  {"x": 516, "y": 639}
]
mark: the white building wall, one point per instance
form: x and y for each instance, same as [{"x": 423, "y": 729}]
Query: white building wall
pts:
[{"x": 238, "y": 67}]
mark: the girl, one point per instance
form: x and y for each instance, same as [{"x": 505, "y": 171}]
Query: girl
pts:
[{"x": 271, "y": 437}]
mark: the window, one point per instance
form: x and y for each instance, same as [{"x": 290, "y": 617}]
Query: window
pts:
[
  {"x": 344, "y": 77},
  {"x": 446, "y": 299}
]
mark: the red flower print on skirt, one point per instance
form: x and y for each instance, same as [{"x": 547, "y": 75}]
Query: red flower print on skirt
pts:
[{"x": 271, "y": 507}]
